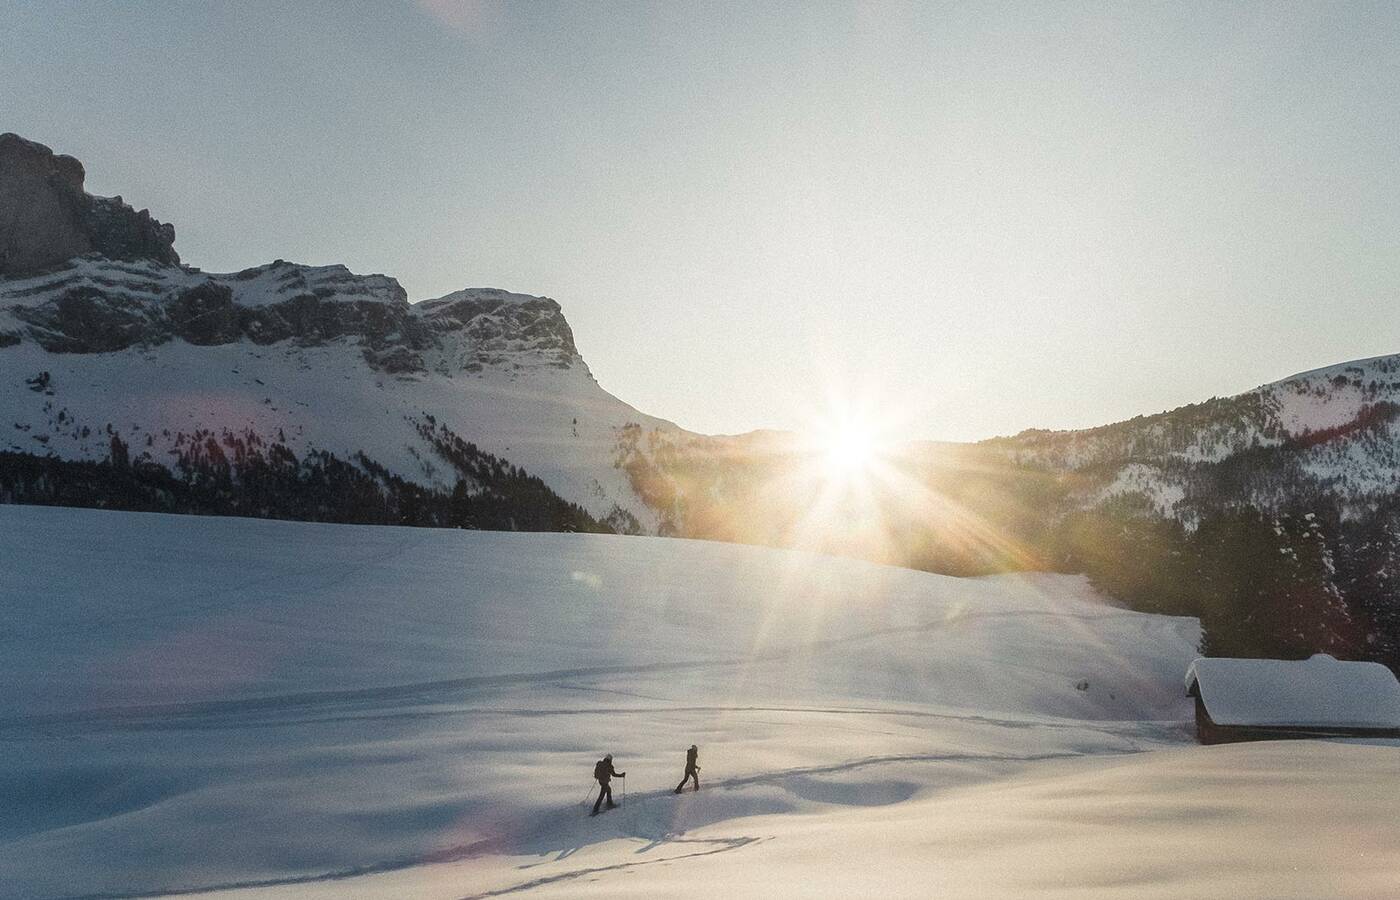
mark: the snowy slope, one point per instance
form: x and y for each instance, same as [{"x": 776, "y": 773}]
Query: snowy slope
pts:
[
  {"x": 1334, "y": 430},
  {"x": 315, "y": 358},
  {"x": 286, "y": 709},
  {"x": 1268, "y": 416}
]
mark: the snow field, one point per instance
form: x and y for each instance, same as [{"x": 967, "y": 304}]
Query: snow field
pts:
[{"x": 271, "y": 709}]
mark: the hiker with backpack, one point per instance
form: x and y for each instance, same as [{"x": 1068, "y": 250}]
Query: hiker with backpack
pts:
[
  {"x": 604, "y": 772},
  {"x": 692, "y": 770}
]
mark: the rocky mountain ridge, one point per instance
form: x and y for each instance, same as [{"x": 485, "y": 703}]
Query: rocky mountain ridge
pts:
[{"x": 93, "y": 304}]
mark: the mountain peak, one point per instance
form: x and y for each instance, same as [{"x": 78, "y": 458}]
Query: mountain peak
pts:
[{"x": 47, "y": 218}]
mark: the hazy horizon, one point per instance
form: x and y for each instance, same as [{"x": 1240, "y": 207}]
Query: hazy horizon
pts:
[{"x": 965, "y": 221}]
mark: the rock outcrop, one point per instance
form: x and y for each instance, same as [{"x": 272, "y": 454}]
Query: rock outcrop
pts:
[
  {"x": 46, "y": 217},
  {"x": 92, "y": 304},
  {"x": 85, "y": 274}
]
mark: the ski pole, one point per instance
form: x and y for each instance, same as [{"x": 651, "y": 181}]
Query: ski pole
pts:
[{"x": 588, "y": 796}]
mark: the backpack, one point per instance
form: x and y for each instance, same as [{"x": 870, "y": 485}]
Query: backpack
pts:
[{"x": 600, "y": 769}]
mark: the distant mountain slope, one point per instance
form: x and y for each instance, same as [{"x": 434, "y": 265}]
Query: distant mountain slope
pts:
[
  {"x": 1329, "y": 436},
  {"x": 1332, "y": 431},
  {"x": 188, "y": 369},
  {"x": 1274, "y": 516}
]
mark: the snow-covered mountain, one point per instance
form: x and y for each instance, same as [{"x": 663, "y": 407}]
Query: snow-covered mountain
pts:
[
  {"x": 187, "y": 368},
  {"x": 1331, "y": 435},
  {"x": 1333, "y": 431}
]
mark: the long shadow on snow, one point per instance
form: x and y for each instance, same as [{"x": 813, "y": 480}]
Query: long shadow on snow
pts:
[{"x": 656, "y": 827}]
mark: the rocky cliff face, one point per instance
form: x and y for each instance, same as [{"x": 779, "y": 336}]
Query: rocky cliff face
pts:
[
  {"x": 85, "y": 274},
  {"x": 92, "y": 304},
  {"x": 46, "y": 217}
]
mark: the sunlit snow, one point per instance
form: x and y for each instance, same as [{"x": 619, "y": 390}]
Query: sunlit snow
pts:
[{"x": 273, "y": 709}]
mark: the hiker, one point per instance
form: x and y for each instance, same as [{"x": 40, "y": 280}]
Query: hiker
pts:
[
  {"x": 691, "y": 769},
  {"x": 603, "y": 771}
]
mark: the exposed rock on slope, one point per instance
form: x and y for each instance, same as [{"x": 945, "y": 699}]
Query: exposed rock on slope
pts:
[
  {"x": 97, "y": 305},
  {"x": 46, "y": 217}
]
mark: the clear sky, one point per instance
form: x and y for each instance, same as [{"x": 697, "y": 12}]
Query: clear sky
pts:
[{"x": 982, "y": 217}]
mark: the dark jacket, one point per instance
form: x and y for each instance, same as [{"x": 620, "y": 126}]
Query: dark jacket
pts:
[
  {"x": 690, "y": 758},
  {"x": 604, "y": 771}
]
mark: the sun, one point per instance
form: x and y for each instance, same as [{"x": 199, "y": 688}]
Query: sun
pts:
[
  {"x": 850, "y": 451},
  {"x": 851, "y": 460}
]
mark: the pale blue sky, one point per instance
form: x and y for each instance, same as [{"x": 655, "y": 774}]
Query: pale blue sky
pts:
[{"x": 980, "y": 217}]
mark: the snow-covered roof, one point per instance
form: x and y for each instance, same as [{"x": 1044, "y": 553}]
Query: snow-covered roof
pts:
[{"x": 1321, "y": 691}]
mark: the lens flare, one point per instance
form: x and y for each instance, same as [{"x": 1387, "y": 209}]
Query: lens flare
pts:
[{"x": 850, "y": 451}]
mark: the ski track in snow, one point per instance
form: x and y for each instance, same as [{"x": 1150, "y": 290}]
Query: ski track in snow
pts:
[
  {"x": 725, "y": 846},
  {"x": 479, "y": 849}
]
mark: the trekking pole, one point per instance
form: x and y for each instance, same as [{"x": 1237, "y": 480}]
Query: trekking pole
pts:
[{"x": 588, "y": 796}]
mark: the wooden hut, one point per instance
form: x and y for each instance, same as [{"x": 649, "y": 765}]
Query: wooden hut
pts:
[{"x": 1274, "y": 699}]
